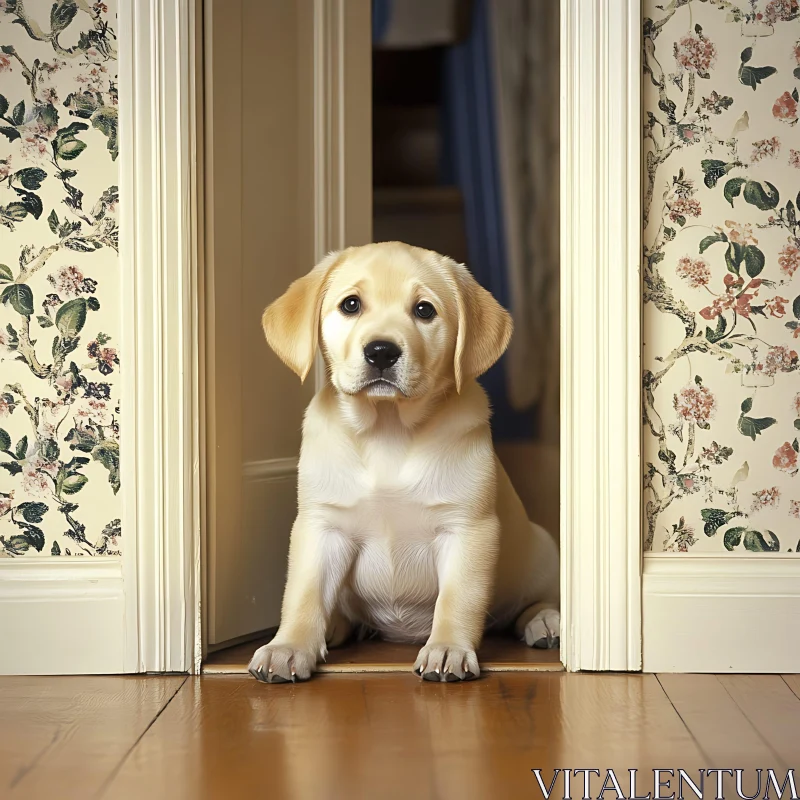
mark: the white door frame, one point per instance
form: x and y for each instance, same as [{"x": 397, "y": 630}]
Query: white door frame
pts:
[{"x": 600, "y": 317}]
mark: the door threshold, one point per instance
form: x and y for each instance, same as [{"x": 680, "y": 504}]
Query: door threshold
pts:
[{"x": 497, "y": 654}]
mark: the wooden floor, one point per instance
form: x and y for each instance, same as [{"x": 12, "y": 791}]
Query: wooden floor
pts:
[{"x": 383, "y": 735}]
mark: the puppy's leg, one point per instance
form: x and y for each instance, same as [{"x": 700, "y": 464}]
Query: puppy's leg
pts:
[
  {"x": 539, "y": 625},
  {"x": 318, "y": 562},
  {"x": 340, "y": 629},
  {"x": 466, "y": 565}
]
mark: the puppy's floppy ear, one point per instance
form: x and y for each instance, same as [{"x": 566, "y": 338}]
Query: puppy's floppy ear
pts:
[
  {"x": 484, "y": 327},
  {"x": 291, "y": 323}
]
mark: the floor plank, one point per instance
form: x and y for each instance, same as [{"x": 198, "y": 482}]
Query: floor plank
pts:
[
  {"x": 497, "y": 654},
  {"x": 394, "y": 736},
  {"x": 64, "y": 737},
  {"x": 772, "y": 709},
  {"x": 722, "y": 730},
  {"x": 793, "y": 682}
]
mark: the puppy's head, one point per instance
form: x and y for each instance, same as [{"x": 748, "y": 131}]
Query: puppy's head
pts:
[{"x": 393, "y": 322}]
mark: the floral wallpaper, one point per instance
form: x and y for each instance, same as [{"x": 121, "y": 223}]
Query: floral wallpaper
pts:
[
  {"x": 59, "y": 282},
  {"x": 721, "y": 275}
]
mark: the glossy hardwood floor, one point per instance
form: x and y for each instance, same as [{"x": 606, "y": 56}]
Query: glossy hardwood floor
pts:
[{"x": 382, "y": 735}]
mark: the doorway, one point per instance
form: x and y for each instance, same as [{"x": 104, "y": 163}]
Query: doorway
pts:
[{"x": 432, "y": 181}]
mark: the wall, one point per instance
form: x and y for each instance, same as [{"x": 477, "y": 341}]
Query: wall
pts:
[
  {"x": 721, "y": 275},
  {"x": 59, "y": 279}
]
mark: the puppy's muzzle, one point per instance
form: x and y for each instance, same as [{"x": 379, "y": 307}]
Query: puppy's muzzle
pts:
[{"x": 382, "y": 355}]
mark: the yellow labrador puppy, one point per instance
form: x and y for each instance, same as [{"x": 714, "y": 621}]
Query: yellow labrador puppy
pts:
[{"x": 407, "y": 523}]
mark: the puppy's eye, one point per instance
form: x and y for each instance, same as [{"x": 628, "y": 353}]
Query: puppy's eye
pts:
[
  {"x": 424, "y": 310},
  {"x": 350, "y": 305}
]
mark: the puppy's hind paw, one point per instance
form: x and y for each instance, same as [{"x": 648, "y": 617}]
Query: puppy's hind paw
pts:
[
  {"x": 446, "y": 663},
  {"x": 543, "y": 630},
  {"x": 281, "y": 664}
]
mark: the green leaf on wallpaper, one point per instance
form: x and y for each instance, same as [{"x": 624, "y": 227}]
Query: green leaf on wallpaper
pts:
[
  {"x": 65, "y": 145},
  {"x": 72, "y": 484},
  {"x": 3, "y": 105},
  {"x": 32, "y": 512},
  {"x": 715, "y": 518},
  {"x": 30, "y": 177},
  {"x": 55, "y": 550},
  {"x": 796, "y": 307},
  {"x": 21, "y": 449},
  {"x": 713, "y": 239},
  {"x": 797, "y": 424},
  {"x": 107, "y": 453},
  {"x": 61, "y": 14},
  {"x": 82, "y": 104},
  {"x": 18, "y": 114},
  {"x": 733, "y": 537},
  {"x": 105, "y": 120},
  {"x": 734, "y": 256},
  {"x": 5, "y": 441},
  {"x": 14, "y": 211},
  {"x": 753, "y": 426},
  {"x": 714, "y": 169},
  {"x": 763, "y": 195},
  {"x": 32, "y": 202},
  {"x": 732, "y": 189},
  {"x": 757, "y": 543},
  {"x": 747, "y": 405},
  {"x": 746, "y": 55},
  {"x": 753, "y": 260},
  {"x": 715, "y": 335},
  {"x": 52, "y": 221},
  {"x": 11, "y": 467},
  {"x": 5, "y": 274},
  {"x": 20, "y": 297},
  {"x": 752, "y": 76},
  {"x": 71, "y": 317},
  {"x": 10, "y": 133},
  {"x": 50, "y": 450},
  {"x": 44, "y": 322}
]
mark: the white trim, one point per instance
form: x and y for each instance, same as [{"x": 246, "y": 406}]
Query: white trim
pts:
[
  {"x": 721, "y": 613},
  {"x": 270, "y": 469},
  {"x": 601, "y": 334},
  {"x": 46, "y": 603},
  {"x": 160, "y": 483}
]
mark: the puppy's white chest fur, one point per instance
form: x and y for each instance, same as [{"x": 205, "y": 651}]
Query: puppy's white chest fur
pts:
[{"x": 390, "y": 506}]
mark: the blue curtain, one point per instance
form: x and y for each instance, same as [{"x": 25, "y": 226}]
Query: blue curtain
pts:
[{"x": 470, "y": 161}]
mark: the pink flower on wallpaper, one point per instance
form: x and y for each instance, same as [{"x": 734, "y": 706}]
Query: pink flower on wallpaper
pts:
[
  {"x": 6, "y": 503},
  {"x": 736, "y": 297},
  {"x": 5, "y": 167},
  {"x": 741, "y": 233},
  {"x": 5, "y": 63},
  {"x": 695, "y": 404},
  {"x": 765, "y": 148},
  {"x": 684, "y": 207},
  {"x": 780, "y": 359},
  {"x": 766, "y": 498},
  {"x": 780, "y": 11},
  {"x": 695, "y": 53},
  {"x": 785, "y": 109},
  {"x": 794, "y": 159},
  {"x": 789, "y": 257},
  {"x": 785, "y": 458},
  {"x": 695, "y": 271},
  {"x": 36, "y": 476},
  {"x": 776, "y": 306},
  {"x": 796, "y": 406},
  {"x": 68, "y": 281},
  {"x": 794, "y": 509},
  {"x": 6, "y": 405}
]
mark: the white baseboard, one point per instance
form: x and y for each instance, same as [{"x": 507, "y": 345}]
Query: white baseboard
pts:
[
  {"x": 721, "y": 613},
  {"x": 61, "y": 615}
]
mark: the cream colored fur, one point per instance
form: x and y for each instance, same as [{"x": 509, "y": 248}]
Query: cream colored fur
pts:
[{"x": 407, "y": 523}]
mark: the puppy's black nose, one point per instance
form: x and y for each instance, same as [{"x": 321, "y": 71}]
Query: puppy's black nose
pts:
[{"x": 382, "y": 354}]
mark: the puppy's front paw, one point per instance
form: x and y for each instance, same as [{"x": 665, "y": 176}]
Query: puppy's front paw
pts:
[
  {"x": 543, "y": 630},
  {"x": 447, "y": 663},
  {"x": 281, "y": 663}
]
